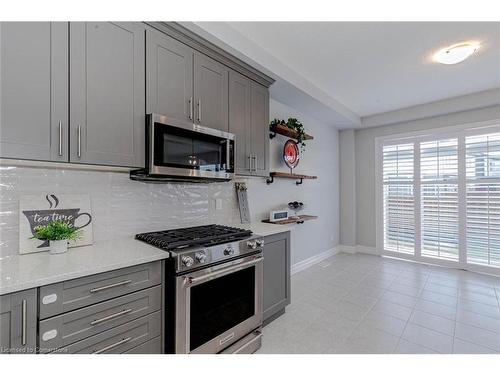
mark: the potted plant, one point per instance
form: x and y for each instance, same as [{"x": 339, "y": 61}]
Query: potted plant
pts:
[
  {"x": 58, "y": 233},
  {"x": 293, "y": 124}
]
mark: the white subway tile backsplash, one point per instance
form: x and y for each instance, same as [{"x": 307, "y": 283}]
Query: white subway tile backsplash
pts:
[{"x": 120, "y": 207}]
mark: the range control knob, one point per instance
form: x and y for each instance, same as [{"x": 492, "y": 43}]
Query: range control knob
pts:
[
  {"x": 252, "y": 244},
  {"x": 187, "y": 261},
  {"x": 228, "y": 251},
  {"x": 260, "y": 243},
  {"x": 200, "y": 257}
]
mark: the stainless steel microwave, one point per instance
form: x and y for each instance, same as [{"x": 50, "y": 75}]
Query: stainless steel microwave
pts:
[{"x": 179, "y": 151}]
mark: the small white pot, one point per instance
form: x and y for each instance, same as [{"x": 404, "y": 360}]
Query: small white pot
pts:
[{"x": 58, "y": 247}]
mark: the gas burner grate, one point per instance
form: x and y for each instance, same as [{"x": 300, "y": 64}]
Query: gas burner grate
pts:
[{"x": 204, "y": 235}]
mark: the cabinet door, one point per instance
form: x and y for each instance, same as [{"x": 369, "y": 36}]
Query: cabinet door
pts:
[
  {"x": 211, "y": 92},
  {"x": 169, "y": 72},
  {"x": 260, "y": 130},
  {"x": 107, "y": 93},
  {"x": 18, "y": 320},
  {"x": 240, "y": 120},
  {"x": 34, "y": 90},
  {"x": 276, "y": 274}
]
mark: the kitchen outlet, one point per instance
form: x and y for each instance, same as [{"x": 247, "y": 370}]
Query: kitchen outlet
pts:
[{"x": 218, "y": 204}]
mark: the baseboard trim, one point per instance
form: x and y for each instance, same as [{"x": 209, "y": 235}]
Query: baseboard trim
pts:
[
  {"x": 306, "y": 263},
  {"x": 367, "y": 250}
]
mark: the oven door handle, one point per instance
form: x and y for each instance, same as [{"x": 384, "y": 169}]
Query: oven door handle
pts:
[{"x": 193, "y": 280}]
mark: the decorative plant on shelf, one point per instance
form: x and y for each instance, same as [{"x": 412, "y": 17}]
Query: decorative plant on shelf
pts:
[
  {"x": 293, "y": 124},
  {"x": 58, "y": 233}
]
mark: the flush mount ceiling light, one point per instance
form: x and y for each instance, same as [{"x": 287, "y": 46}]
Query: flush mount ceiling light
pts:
[{"x": 456, "y": 53}]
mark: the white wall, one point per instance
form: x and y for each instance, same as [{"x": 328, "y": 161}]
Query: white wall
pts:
[
  {"x": 320, "y": 197},
  {"x": 122, "y": 208},
  {"x": 347, "y": 188},
  {"x": 365, "y": 162}
]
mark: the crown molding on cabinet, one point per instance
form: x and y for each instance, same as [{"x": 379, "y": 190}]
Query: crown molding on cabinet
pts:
[{"x": 202, "y": 45}]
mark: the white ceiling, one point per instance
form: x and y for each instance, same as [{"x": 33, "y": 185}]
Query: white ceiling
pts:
[{"x": 376, "y": 67}]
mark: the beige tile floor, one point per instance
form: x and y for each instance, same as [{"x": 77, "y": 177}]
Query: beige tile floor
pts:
[{"x": 368, "y": 304}]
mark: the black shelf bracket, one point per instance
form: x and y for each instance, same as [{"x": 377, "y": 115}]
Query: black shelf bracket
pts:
[
  {"x": 270, "y": 180},
  {"x": 299, "y": 182}
]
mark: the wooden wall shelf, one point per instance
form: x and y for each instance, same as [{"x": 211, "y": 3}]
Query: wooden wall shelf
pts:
[
  {"x": 298, "y": 177},
  {"x": 287, "y": 132},
  {"x": 292, "y": 220}
]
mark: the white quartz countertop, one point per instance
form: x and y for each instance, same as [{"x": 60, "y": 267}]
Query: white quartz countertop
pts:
[
  {"x": 264, "y": 229},
  {"x": 19, "y": 272}
]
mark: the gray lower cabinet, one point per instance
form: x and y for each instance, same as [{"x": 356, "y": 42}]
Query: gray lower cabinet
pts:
[
  {"x": 120, "y": 339},
  {"x": 107, "y": 100},
  {"x": 210, "y": 92},
  {"x": 34, "y": 90},
  {"x": 276, "y": 275},
  {"x": 249, "y": 120},
  {"x": 18, "y": 322},
  {"x": 169, "y": 77}
]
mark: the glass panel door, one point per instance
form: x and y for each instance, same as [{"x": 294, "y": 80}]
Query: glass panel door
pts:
[{"x": 220, "y": 304}]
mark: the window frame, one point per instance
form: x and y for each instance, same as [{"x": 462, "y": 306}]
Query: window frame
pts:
[{"x": 416, "y": 137}]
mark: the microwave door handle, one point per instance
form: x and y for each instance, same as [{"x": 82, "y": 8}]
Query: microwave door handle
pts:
[{"x": 228, "y": 156}]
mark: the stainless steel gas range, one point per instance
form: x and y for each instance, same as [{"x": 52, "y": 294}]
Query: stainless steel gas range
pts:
[{"x": 214, "y": 288}]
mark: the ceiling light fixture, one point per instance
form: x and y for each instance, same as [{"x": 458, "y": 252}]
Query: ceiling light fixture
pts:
[{"x": 456, "y": 53}]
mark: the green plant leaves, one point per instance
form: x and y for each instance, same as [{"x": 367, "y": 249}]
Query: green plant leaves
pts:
[
  {"x": 294, "y": 124},
  {"x": 57, "y": 230}
]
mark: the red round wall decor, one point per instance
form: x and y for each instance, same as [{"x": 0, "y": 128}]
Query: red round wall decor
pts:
[{"x": 291, "y": 154}]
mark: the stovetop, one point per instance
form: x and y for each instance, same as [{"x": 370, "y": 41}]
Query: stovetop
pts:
[{"x": 204, "y": 235}]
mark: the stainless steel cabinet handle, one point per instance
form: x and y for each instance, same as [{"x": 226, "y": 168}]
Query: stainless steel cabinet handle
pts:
[
  {"x": 109, "y": 347},
  {"x": 190, "y": 101},
  {"x": 79, "y": 141},
  {"x": 250, "y": 163},
  {"x": 24, "y": 322},
  {"x": 194, "y": 280},
  {"x": 109, "y": 317},
  {"x": 255, "y": 163},
  {"x": 199, "y": 110},
  {"x": 60, "y": 139},
  {"x": 125, "y": 282}
]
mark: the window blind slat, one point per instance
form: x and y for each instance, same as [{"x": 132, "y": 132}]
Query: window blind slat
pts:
[
  {"x": 439, "y": 198},
  {"x": 399, "y": 213}
]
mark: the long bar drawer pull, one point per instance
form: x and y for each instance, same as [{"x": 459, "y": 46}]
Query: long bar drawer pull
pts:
[
  {"x": 109, "y": 347},
  {"x": 95, "y": 290},
  {"x": 24, "y": 322},
  {"x": 109, "y": 317}
]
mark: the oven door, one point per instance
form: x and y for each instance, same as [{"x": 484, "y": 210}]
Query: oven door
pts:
[
  {"x": 217, "y": 306},
  {"x": 188, "y": 150}
]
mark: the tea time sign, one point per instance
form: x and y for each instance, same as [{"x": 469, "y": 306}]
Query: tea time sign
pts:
[{"x": 38, "y": 210}]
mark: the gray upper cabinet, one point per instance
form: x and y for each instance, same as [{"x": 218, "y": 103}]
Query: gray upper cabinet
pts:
[
  {"x": 260, "y": 130},
  {"x": 169, "y": 77},
  {"x": 276, "y": 275},
  {"x": 107, "y": 93},
  {"x": 18, "y": 321},
  {"x": 240, "y": 120},
  {"x": 34, "y": 90},
  {"x": 249, "y": 121},
  {"x": 210, "y": 92}
]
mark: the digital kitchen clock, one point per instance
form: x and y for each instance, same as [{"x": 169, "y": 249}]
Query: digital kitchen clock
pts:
[{"x": 278, "y": 215}]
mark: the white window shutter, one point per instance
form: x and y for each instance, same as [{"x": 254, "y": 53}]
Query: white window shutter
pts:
[{"x": 399, "y": 200}]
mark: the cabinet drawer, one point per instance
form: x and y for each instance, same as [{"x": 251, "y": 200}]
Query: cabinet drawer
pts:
[
  {"x": 68, "y": 328},
  {"x": 151, "y": 347},
  {"x": 119, "y": 339},
  {"x": 74, "y": 294}
]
